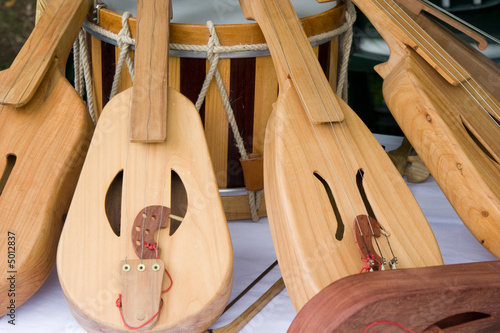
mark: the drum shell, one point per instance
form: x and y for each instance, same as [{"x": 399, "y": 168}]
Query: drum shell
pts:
[{"x": 249, "y": 79}]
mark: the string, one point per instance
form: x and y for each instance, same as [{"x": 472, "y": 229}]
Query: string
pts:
[
  {"x": 343, "y": 156},
  {"x": 165, "y": 174},
  {"x": 146, "y": 163},
  {"x": 119, "y": 305},
  {"x": 367, "y": 266},
  {"x": 333, "y": 130},
  {"x": 458, "y": 19},
  {"x": 146, "y": 174},
  {"x": 440, "y": 52},
  {"x": 125, "y": 183},
  {"x": 387, "y": 322}
]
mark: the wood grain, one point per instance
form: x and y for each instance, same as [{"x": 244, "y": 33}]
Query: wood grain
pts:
[
  {"x": 216, "y": 123},
  {"x": 468, "y": 176},
  {"x": 189, "y": 80},
  {"x": 149, "y": 99},
  {"x": 315, "y": 245},
  {"x": 456, "y": 298},
  {"x": 312, "y": 86},
  {"x": 47, "y": 131},
  {"x": 201, "y": 243},
  {"x": 49, "y": 137},
  {"x": 141, "y": 291},
  {"x": 451, "y": 126},
  {"x": 482, "y": 68},
  {"x": 229, "y": 34},
  {"x": 175, "y": 173},
  {"x": 418, "y": 6}
]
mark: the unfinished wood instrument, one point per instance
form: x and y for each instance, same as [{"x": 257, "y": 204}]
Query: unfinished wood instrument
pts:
[
  {"x": 454, "y": 298},
  {"x": 450, "y": 118},
  {"x": 233, "y": 46},
  {"x": 45, "y": 131},
  {"x": 336, "y": 204},
  {"x": 146, "y": 227}
]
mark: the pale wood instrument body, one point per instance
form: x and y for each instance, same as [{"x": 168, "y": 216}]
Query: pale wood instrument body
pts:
[
  {"x": 198, "y": 255},
  {"x": 455, "y": 298},
  {"x": 469, "y": 177},
  {"x": 314, "y": 244},
  {"x": 302, "y": 221},
  {"x": 448, "y": 118},
  {"x": 134, "y": 193},
  {"x": 42, "y": 148}
]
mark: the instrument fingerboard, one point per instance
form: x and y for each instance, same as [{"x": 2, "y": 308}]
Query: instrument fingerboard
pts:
[{"x": 149, "y": 97}]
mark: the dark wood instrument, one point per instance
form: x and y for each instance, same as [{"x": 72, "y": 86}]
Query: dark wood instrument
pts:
[
  {"x": 452, "y": 298},
  {"x": 336, "y": 204},
  {"x": 45, "y": 131}
]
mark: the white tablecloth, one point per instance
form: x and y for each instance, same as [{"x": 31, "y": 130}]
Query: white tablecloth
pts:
[{"x": 47, "y": 312}]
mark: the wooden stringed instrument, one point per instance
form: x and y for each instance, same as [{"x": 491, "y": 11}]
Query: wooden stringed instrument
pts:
[
  {"x": 336, "y": 204},
  {"x": 450, "y": 117},
  {"x": 146, "y": 226},
  {"x": 451, "y": 298},
  {"x": 45, "y": 131}
]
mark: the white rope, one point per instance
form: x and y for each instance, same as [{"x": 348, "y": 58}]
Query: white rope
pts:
[
  {"x": 213, "y": 49},
  {"x": 345, "y": 51},
  {"x": 83, "y": 76},
  {"x": 218, "y": 49},
  {"x": 123, "y": 40},
  {"x": 87, "y": 74},
  {"x": 77, "y": 68}
]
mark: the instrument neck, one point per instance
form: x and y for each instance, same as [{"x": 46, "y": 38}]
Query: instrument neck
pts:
[
  {"x": 149, "y": 95},
  {"x": 400, "y": 31},
  {"x": 294, "y": 58}
]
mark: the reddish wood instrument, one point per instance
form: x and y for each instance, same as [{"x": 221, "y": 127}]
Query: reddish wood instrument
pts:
[
  {"x": 45, "y": 131},
  {"x": 336, "y": 204},
  {"x": 450, "y": 118},
  {"x": 146, "y": 228},
  {"x": 453, "y": 298}
]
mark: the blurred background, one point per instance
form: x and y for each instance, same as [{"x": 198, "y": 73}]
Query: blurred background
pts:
[{"x": 17, "y": 19}]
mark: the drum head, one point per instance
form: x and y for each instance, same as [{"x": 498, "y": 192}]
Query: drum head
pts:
[{"x": 218, "y": 11}]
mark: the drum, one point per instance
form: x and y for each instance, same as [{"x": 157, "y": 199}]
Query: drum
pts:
[{"x": 245, "y": 67}]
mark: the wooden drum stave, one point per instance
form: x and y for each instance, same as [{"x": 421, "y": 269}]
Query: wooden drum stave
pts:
[{"x": 248, "y": 76}]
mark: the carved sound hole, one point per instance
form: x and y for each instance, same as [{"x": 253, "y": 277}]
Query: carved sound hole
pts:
[
  {"x": 11, "y": 161},
  {"x": 147, "y": 222}
]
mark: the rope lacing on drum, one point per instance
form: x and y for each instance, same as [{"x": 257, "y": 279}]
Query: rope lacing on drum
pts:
[
  {"x": 213, "y": 49},
  {"x": 83, "y": 72}
]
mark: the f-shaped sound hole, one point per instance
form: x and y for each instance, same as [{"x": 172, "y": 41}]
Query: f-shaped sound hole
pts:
[
  {"x": 339, "y": 235},
  {"x": 11, "y": 161},
  {"x": 484, "y": 149},
  {"x": 179, "y": 202},
  {"x": 362, "y": 192},
  {"x": 113, "y": 203},
  {"x": 461, "y": 319}
]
